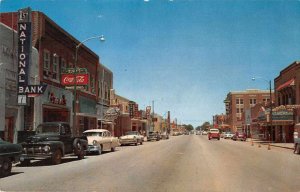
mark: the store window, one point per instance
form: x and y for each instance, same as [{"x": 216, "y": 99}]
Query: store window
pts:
[{"x": 46, "y": 63}]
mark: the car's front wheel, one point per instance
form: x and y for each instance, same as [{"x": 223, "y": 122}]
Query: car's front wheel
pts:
[
  {"x": 56, "y": 157},
  {"x": 5, "y": 169}
]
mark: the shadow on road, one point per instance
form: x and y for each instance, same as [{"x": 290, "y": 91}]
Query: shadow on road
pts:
[{"x": 47, "y": 162}]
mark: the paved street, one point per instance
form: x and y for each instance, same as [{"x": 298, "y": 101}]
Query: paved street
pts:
[{"x": 182, "y": 163}]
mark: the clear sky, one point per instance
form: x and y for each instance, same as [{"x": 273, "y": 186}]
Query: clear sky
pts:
[{"x": 186, "y": 55}]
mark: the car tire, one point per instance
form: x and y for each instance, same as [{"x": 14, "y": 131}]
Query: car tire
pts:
[
  {"x": 56, "y": 157},
  {"x": 113, "y": 149},
  {"x": 141, "y": 143},
  {"x": 5, "y": 169},
  {"x": 25, "y": 162},
  {"x": 297, "y": 149},
  {"x": 136, "y": 143},
  {"x": 77, "y": 146},
  {"x": 99, "y": 152}
]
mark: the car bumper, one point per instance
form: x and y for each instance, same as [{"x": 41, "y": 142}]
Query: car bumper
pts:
[
  {"x": 92, "y": 148},
  {"x": 128, "y": 141}
]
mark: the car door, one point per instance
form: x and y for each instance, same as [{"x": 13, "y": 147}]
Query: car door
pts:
[
  {"x": 66, "y": 138},
  {"x": 105, "y": 141}
]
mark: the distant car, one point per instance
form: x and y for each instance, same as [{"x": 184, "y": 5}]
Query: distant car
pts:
[
  {"x": 239, "y": 136},
  {"x": 132, "y": 137},
  {"x": 214, "y": 134},
  {"x": 198, "y": 133},
  {"x": 228, "y": 135},
  {"x": 204, "y": 132},
  {"x": 9, "y": 153},
  {"x": 175, "y": 133},
  {"x": 100, "y": 140},
  {"x": 165, "y": 135},
  {"x": 153, "y": 136}
]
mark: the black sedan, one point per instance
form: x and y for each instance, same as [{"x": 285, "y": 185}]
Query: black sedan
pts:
[{"x": 9, "y": 153}]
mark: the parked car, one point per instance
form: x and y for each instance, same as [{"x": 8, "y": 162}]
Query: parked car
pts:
[
  {"x": 241, "y": 136},
  {"x": 153, "y": 136},
  {"x": 53, "y": 140},
  {"x": 204, "y": 132},
  {"x": 228, "y": 135},
  {"x": 132, "y": 137},
  {"x": 214, "y": 134},
  {"x": 100, "y": 140},
  {"x": 165, "y": 135},
  {"x": 9, "y": 153}
]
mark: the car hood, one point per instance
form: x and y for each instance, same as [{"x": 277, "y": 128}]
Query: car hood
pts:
[
  {"x": 40, "y": 138},
  {"x": 93, "y": 138}
]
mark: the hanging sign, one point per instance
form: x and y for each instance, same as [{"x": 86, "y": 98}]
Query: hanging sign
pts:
[{"x": 24, "y": 57}]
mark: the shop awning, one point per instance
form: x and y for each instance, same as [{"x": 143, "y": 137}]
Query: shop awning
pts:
[{"x": 286, "y": 84}]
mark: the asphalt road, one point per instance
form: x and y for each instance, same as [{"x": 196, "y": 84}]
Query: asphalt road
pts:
[{"x": 182, "y": 163}]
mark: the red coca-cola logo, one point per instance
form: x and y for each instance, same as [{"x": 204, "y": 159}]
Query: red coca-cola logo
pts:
[{"x": 68, "y": 79}]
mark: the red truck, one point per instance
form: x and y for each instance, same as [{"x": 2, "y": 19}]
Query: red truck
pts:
[{"x": 214, "y": 134}]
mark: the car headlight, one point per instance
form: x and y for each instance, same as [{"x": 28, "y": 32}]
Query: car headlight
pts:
[
  {"x": 47, "y": 149},
  {"x": 95, "y": 142}
]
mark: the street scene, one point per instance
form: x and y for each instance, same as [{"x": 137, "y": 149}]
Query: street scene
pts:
[
  {"x": 149, "y": 95},
  {"x": 183, "y": 163}
]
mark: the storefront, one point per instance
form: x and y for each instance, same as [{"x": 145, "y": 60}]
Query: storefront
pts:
[
  {"x": 12, "y": 116},
  {"x": 280, "y": 127},
  {"x": 87, "y": 117}
]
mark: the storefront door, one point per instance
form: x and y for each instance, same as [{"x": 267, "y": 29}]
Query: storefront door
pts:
[{"x": 9, "y": 129}]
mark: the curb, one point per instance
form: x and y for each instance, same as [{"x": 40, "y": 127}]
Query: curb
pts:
[{"x": 262, "y": 143}]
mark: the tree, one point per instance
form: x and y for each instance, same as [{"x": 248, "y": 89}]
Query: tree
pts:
[
  {"x": 189, "y": 127},
  {"x": 205, "y": 126},
  {"x": 198, "y": 128}
]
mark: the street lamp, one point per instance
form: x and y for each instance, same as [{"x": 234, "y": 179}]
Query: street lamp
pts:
[
  {"x": 102, "y": 39},
  {"x": 271, "y": 107}
]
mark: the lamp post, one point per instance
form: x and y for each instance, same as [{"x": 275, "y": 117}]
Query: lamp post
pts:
[
  {"x": 271, "y": 108},
  {"x": 101, "y": 37}
]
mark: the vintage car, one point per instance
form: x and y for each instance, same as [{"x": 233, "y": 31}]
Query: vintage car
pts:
[
  {"x": 153, "y": 136},
  {"x": 165, "y": 135},
  {"x": 214, "y": 134},
  {"x": 228, "y": 135},
  {"x": 239, "y": 136},
  {"x": 9, "y": 153},
  {"x": 53, "y": 141},
  {"x": 100, "y": 140},
  {"x": 132, "y": 137}
]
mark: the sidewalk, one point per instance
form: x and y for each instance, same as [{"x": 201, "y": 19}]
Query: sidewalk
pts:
[{"x": 281, "y": 145}]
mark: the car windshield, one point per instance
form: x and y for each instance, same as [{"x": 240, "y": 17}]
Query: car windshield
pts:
[
  {"x": 90, "y": 134},
  {"x": 47, "y": 129},
  {"x": 131, "y": 133},
  {"x": 214, "y": 131}
]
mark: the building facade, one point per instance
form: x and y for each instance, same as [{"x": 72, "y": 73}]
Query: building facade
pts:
[
  {"x": 56, "y": 55},
  {"x": 11, "y": 114},
  {"x": 237, "y": 102},
  {"x": 287, "y": 100}
]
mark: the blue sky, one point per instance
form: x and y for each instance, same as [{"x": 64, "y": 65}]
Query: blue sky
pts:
[{"x": 186, "y": 55}]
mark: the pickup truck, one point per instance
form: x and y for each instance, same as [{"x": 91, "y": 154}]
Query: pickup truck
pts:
[
  {"x": 9, "y": 153},
  {"x": 53, "y": 140}
]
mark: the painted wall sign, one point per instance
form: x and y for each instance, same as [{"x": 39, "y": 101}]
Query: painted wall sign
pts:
[{"x": 69, "y": 79}]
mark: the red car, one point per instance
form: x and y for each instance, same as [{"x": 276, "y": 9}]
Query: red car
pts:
[
  {"x": 239, "y": 136},
  {"x": 214, "y": 134}
]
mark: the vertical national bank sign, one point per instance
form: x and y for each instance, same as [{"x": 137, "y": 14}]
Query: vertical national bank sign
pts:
[{"x": 24, "y": 58}]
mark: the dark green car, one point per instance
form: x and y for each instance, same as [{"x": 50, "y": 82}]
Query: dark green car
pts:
[{"x": 9, "y": 153}]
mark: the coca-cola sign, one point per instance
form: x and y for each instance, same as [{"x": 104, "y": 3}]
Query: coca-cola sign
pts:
[{"x": 69, "y": 79}]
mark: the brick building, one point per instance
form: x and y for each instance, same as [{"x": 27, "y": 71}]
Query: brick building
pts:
[
  {"x": 56, "y": 49},
  {"x": 237, "y": 102},
  {"x": 287, "y": 100}
]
